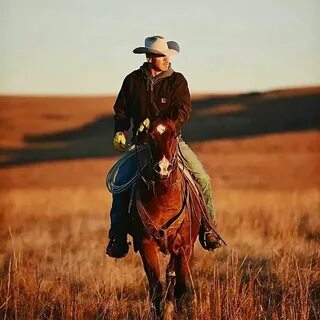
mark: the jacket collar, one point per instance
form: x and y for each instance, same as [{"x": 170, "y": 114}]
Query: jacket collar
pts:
[{"x": 153, "y": 80}]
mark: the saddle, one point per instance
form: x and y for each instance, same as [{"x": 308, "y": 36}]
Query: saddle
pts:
[{"x": 128, "y": 170}]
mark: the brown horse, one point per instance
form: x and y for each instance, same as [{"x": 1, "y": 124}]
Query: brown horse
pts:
[{"x": 167, "y": 210}]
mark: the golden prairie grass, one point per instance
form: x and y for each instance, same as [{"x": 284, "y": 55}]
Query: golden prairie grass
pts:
[
  {"x": 53, "y": 264},
  {"x": 54, "y": 221}
]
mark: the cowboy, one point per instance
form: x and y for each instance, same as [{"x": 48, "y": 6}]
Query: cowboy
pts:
[{"x": 155, "y": 91}]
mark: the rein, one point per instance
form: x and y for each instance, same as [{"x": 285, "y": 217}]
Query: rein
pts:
[{"x": 161, "y": 234}]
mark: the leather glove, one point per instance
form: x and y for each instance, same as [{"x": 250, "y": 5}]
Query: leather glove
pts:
[
  {"x": 119, "y": 141},
  {"x": 145, "y": 124}
]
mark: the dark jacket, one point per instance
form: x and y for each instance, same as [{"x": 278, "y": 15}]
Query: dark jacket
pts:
[{"x": 141, "y": 96}]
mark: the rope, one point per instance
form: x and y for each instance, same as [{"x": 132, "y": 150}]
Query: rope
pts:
[{"x": 112, "y": 174}]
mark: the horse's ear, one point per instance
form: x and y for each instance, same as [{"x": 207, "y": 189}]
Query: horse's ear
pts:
[{"x": 168, "y": 122}]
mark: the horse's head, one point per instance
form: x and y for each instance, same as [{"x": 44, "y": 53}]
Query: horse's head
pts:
[{"x": 163, "y": 145}]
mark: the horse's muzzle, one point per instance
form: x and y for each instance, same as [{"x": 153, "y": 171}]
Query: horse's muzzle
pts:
[{"x": 163, "y": 172}]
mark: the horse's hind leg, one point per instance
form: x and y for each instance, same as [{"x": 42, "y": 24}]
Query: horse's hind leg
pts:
[
  {"x": 148, "y": 251},
  {"x": 170, "y": 277}
]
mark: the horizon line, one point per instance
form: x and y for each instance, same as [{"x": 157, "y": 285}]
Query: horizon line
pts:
[{"x": 195, "y": 93}]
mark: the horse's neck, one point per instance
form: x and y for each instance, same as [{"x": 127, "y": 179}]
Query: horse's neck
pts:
[
  {"x": 167, "y": 192},
  {"x": 164, "y": 199}
]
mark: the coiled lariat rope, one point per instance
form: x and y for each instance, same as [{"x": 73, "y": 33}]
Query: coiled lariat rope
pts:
[
  {"x": 133, "y": 151},
  {"x": 112, "y": 174}
]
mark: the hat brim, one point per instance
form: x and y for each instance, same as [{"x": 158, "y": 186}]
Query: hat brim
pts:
[{"x": 172, "y": 45}]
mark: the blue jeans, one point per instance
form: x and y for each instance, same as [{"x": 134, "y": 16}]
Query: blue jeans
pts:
[{"x": 119, "y": 215}]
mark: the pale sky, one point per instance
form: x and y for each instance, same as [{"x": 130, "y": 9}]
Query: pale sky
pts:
[{"x": 85, "y": 46}]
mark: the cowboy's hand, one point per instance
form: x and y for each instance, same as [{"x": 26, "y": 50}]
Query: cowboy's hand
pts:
[
  {"x": 145, "y": 124},
  {"x": 119, "y": 141}
]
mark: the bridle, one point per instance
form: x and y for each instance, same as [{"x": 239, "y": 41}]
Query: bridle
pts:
[{"x": 173, "y": 162}]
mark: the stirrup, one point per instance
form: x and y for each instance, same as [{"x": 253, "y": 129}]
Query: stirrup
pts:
[{"x": 212, "y": 245}]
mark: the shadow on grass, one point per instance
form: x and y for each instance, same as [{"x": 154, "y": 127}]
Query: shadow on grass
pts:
[{"x": 215, "y": 117}]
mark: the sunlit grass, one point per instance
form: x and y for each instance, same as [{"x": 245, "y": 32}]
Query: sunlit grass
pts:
[{"x": 53, "y": 264}]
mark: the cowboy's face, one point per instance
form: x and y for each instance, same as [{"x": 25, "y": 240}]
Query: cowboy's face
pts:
[{"x": 159, "y": 63}]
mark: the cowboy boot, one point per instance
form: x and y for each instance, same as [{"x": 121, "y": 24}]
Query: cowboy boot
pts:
[
  {"x": 209, "y": 238},
  {"x": 117, "y": 248}
]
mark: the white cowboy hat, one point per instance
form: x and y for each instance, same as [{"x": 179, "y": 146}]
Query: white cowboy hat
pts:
[{"x": 158, "y": 45}]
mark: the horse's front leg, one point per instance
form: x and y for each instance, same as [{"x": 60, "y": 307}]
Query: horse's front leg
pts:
[
  {"x": 170, "y": 278},
  {"x": 149, "y": 255},
  {"x": 184, "y": 288}
]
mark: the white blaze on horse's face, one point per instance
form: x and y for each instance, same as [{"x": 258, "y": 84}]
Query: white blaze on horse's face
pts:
[
  {"x": 161, "y": 128},
  {"x": 164, "y": 167}
]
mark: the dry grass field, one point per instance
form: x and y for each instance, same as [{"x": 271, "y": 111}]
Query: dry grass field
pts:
[{"x": 54, "y": 212}]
